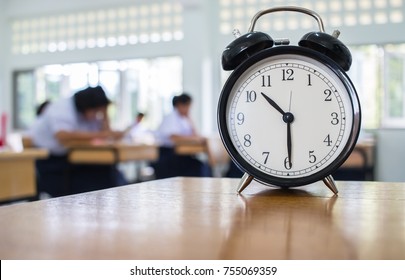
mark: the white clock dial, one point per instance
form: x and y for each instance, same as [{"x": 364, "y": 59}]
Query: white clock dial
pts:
[{"x": 289, "y": 116}]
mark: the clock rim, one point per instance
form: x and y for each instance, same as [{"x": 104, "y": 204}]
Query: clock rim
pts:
[{"x": 282, "y": 181}]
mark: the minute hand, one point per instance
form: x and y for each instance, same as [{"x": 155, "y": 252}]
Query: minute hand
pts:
[{"x": 274, "y": 104}]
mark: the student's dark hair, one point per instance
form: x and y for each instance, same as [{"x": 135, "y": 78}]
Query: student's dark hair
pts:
[
  {"x": 90, "y": 98},
  {"x": 41, "y": 107},
  {"x": 183, "y": 98}
]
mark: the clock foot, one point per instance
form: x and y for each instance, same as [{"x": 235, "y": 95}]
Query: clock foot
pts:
[
  {"x": 330, "y": 183},
  {"x": 244, "y": 182}
]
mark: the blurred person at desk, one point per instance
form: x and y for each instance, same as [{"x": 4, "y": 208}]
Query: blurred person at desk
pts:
[
  {"x": 177, "y": 128},
  {"x": 80, "y": 118},
  {"x": 137, "y": 132}
]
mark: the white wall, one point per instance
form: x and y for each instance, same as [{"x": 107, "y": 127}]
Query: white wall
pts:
[{"x": 390, "y": 152}]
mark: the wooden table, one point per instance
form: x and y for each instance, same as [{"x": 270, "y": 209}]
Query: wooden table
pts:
[
  {"x": 204, "y": 218},
  {"x": 111, "y": 153},
  {"x": 17, "y": 174}
]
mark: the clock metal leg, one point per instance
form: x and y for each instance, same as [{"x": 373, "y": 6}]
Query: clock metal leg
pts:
[
  {"x": 330, "y": 183},
  {"x": 244, "y": 182}
]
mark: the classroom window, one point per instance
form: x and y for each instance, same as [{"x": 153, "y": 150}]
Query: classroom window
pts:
[
  {"x": 366, "y": 75},
  {"x": 378, "y": 73},
  {"x": 134, "y": 85},
  {"x": 394, "y": 87}
]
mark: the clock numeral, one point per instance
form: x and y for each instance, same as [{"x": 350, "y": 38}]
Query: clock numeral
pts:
[
  {"x": 328, "y": 94},
  {"x": 328, "y": 141},
  {"x": 288, "y": 75},
  {"x": 335, "y": 119},
  {"x": 309, "y": 80},
  {"x": 312, "y": 157},
  {"x": 266, "y": 82},
  {"x": 241, "y": 118},
  {"x": 287, "y": 163},
  {"x": 266, "y": 156},
  {"x": 251, "y": 96},
  {"x": 248, "y": 140}
]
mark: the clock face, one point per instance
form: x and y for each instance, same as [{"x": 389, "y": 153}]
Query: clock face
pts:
[{"x": 288, "y": 118}]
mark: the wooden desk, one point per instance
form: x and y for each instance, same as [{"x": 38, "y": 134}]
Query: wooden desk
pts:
[
  {"x": 191, "y": 218},
  {"x": 212, "y": 148},
  {"x": 17, "y": 174},
  {"x": 190, "y": 148},
  {"x": 111, "y": 153}
]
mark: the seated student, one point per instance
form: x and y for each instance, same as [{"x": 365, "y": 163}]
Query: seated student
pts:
[
  {"x": 137, "y": 132},
  {"x": 82, "y": 117},
  {"x": 177, "y": 127}
]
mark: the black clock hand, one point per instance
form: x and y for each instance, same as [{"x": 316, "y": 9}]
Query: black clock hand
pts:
[
  {"x": 274, "y": 104},
  {"x": 289, "y": 120},
  {"x": 289, "y": 144}
]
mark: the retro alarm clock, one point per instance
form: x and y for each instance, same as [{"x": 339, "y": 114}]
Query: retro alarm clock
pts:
[{"x": 288, "y": 115}]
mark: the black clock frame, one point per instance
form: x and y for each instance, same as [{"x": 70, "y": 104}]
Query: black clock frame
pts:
[{"x": 279, "y": 181}]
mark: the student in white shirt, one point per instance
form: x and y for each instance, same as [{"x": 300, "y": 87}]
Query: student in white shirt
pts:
[
  {"x": 80, "y": 117},
  {"x": 178, "y": 127}
]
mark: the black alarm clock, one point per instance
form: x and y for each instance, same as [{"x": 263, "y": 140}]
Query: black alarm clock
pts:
[{"x": 288, "y": 115}]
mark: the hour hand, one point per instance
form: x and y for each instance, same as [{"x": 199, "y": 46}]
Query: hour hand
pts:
[{"x": 274, "y": 104}]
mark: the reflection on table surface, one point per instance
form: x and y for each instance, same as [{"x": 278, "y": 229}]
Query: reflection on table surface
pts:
[
  {"x": 204, "y": 218},
  {"x": 280, "y": 224}
]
